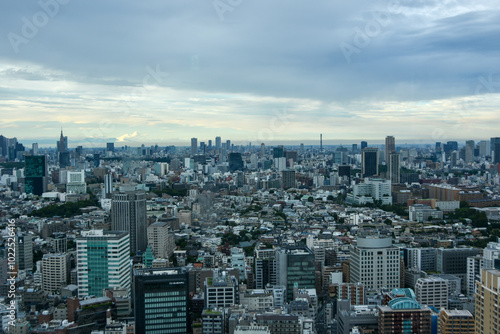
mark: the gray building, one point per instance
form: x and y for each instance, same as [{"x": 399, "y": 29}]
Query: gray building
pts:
[
  {"x": 365, "y": 316},
  {"x": 128, "y": 213},
  {"x": 453, "y": 261}
]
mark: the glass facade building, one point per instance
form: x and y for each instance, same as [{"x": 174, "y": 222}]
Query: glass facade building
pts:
[{"x": 160, "y": 298}]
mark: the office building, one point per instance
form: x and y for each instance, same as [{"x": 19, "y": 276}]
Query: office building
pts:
[
  {"x": 474, "y": 266},
  {"x": 393, "y": 169},
  {"x": 296, "y": 268},
  {"x": 235, "y": 162},
  {"x": 221, "y": 290},
  {"x": 280, "y": 323},
  {"x": 421, "y": 258},
  {"x": 375, "y": 262},
  {"x": 404, "y": 315},
  {"x": 161, "y": 300},
  {"x": 55, "y": 272},
  {"x": 34, "y": 149},
  {"x": 194, "y": 146},
  {"x": 354, "y": 292},
  {"x": 161, "y": 240},
  {"x": 369, "y": 191},
  {"x": 128, "y": 213},
  {"x": 491, "y": 253},
  {"x": 487, "y": 310},
  {"x": 369, "y": 162},
  {"x": 218, "y": 143},
  {"x": 35, "y": 172},
  {"x": 469, "y": 151},
  {"x": 432, "y": 291},
  {"x": 288, "y": 179},
  {"x": 110, "y": 147},
  {"x": 495, "y": 148},
  {"x": 265, "y": 268},
  {"x": 364, "y": 144},
  {"x": 390, "y": 147},
  {"x": 455, "y": 322},
  {"x": 453, "y": 261},
  {"x": 103, "y": 261},
  {"x": 213, "y": 321},
  {"x": 24, "y": 251},
  {"x": 360, "y": 316},
  {"x": 76, "y": 183}
]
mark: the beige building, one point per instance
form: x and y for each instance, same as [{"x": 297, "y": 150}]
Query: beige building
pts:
[
  {"x": 455, "y": 322},
  {"x": 55, "y": 269},
  {"x": 160, "y": 240},
  {"x": 487, "y": 310}
]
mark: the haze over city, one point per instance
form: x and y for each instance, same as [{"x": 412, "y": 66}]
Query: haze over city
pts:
[{"x": 252, "y": 71}]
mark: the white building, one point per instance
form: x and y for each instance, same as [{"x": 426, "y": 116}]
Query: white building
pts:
[
  {"x": 490, "y": 254},
  {"x": 159, "y": 240},
  {"x": 75, "y": 183},
  {"x": 221, "y": 290},
  {"x": 375, "y": 262},
  {"x": 55, "y": 272},
  {"x": 432, "y": 291},
  {"x": 474, "y": 266},
  {"x": 95, "y": 274},
  {"x": 369, "y": 191}
]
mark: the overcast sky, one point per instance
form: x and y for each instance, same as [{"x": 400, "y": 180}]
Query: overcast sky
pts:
[{"x": 255, "y": 71}]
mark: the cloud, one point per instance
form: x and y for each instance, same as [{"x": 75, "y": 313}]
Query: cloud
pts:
[{"x": 125, "y": 136}]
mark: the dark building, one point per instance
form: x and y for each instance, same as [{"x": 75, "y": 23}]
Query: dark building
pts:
[
  {"x": 364, "y": 144},
  {"x": 110, "y": 147},
  {"x": 64, "y": 159},
  {"x": 235, "y": 162},
  {"x": 404, "y": 315},
  {"x": 369, "y": 161},
  {"x": 279, "y": 323},
  {"x": 495, "y": 147},
  {"x": 288, "y": 179},
  {"x": 97, "y": 159},
  {"x": 160, "y": 298},
  {"x": 345, "y": 170},
  {"x": 296, "y": 269},
  {"x": 35, "y": 173},
  {"x": 278, "y": 152}
]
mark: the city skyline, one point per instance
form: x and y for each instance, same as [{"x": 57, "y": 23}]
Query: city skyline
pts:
[{"x": 253, "y": 72}]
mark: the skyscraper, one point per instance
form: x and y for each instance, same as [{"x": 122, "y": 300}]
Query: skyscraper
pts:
[
  {"x": 194, "y": 146},
  {"x": 487, "y": 307},
  {"x": 375, "y": 262},
  {"x": 218, "y": 143},
  {"x": 296, "y": 267},
  {"x": 110, "y": 147},
  {"x": 24, "y": 251},
  {"x": 390, "y": 147},
  {"x": 161, "y": 300},
  {"x": 128, "y": 213},
  {"x": 394, "y": 168},
  {"x": 103, "y": 261},
  {"x": 55, "y": 272},
  {"x": 235, "y": 162},
  {"x": 495, "y": 147},
  {"x": 288, "y": 179},
  {"x": 469, "y": 151},
  {"x": 364, "y": 144},
  {"x": 369, "y": 162},
  {"x": 35, "y": 172}
]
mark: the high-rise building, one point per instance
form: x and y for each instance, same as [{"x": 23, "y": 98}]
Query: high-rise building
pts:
[
  {"x": 288, "y": 179},
  {"x": 375, "y": 262},
  {"x": 235, "y": 162},
  {"x": 454, "y": 261},
  {"x": 369, "y": 162},
  {"x": 161, "y": 300},
  {"x": 218, "y": 143},
  {"x": 76, "y": 183},
  {"x": 159, "y": 240},
  {"x": 474, "y": 266},
  {"x": 265, "y": 268},
  {"x": 110, "y": 147},
  {"x": 24, "y": 251},
  {"x": 364, "y": 144},
  {"x": 456, "y": 322},
  {"x": 55, "y": 272},
  {"x": 103, "y": 261},
  {"x": 487, "y": 310},
  {"x": 390, "y": 147},
  {"x": 194, "y": 146},
  {"x": 394, "y": 168},
  {"x": 296, "y": 268},
  {"x": 421, "y": 258},
  {"x": 491, "y": 254},
  {"x": 128, "y": 213},
  {"x": 35, "y": 172},
  {"x": 404, "y": 315},
  {"x": 495, "y": 149},
  {"x": 34, "y": 149},
  {"x": 108, "y": 184},
  {"x": 469, "y": 151},
  {"x": 432, "y": 291},
  {"x": 262, "y": 150},
  {"x": 278, "y": 152}
]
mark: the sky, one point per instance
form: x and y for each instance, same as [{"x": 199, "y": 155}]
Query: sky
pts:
[{"x": 161, "y": 72}]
